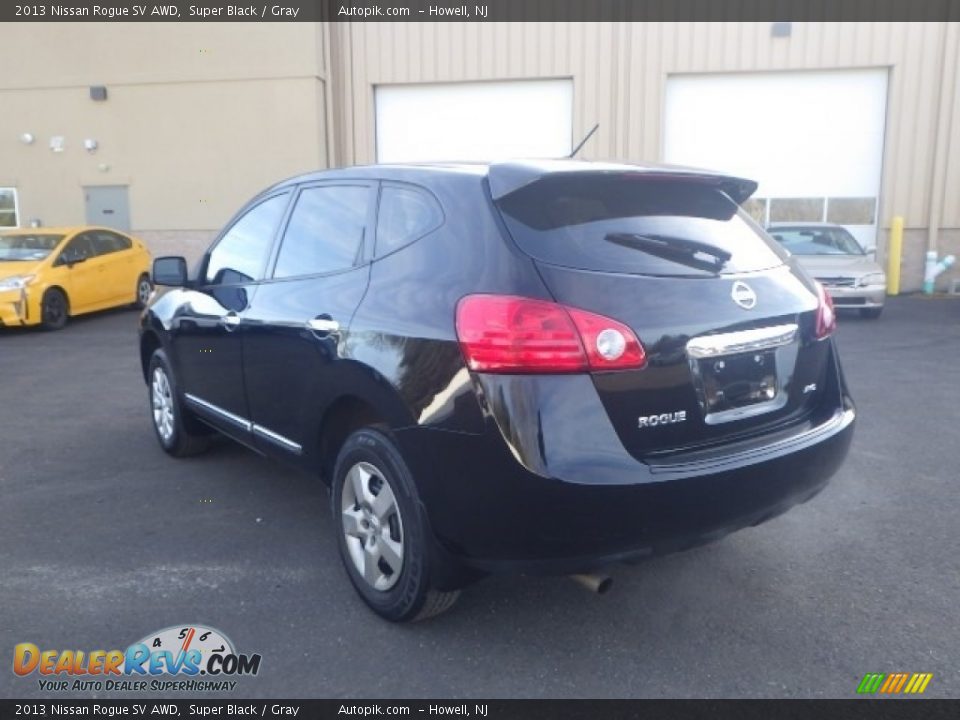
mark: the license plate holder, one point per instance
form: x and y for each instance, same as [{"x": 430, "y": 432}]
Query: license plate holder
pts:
[{"x": 732, "y": 382}]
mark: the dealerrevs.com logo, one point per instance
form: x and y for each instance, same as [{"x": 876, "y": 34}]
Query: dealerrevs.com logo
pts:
[{"x": 200, "y": 658}]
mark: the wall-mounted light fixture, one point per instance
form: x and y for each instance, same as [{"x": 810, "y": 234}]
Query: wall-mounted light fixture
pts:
[
  {"x": 90, "y": 145},
  {"x": 58, "y": 143},
  {"x": 27, "y": 138}
]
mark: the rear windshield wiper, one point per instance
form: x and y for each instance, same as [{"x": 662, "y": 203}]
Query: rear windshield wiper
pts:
[{"x": 678, "y": 250}]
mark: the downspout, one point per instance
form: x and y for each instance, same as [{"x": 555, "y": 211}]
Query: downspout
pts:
[{"x": 328, "y": 95}]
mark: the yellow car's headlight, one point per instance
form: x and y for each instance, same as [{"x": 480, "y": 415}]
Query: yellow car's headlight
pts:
[{"x": 16, "y": 282}]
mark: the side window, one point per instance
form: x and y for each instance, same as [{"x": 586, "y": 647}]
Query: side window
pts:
[
  {"x": 78, "y": 249},
  {"x": 241, "y": 254},
  {"x": 108, "y": 242},
  {"x": 405, "y": 215},
  {"x": 325, "y": 232}
]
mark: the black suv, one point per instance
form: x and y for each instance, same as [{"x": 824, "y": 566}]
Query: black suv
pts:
[{"x": 523, "y": 366}]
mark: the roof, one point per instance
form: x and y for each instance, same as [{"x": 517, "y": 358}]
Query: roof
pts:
[{"x": 506, "y": 177}]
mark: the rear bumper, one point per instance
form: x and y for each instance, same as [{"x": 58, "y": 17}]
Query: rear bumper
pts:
[
  {"x": 496, "y": 516},
  {"x": 562, "y": 497}
]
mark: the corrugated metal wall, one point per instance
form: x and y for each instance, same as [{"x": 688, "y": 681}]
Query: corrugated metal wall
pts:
[{"x": 620, "y": 72}]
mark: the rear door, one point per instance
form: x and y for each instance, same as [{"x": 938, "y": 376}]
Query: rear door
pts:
[
  {"x": 295, "y": 328},
  {"x": 119, "y": 272},
  {"x": 726, "y": 324}
]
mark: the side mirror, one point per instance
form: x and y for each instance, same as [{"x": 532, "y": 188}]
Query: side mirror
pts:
[
  {"x": 70, "y": 258},
  {"x": 170, "y": 271},
  {"x": 872, "y": 252}
]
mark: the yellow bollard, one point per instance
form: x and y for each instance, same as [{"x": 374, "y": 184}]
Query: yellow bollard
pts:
[{"x": 894, "y": 253}]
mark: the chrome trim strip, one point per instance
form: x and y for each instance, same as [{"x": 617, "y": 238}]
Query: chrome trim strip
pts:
[
  {"x": 277, "y": 438},
  {"x": 210, "y": 407},
  {"x": 742, "y": 341},
  {"x": 263, "y": 432}
]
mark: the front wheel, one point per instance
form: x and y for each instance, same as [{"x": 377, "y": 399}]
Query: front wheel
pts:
[
  {"x": 169, "y": 417},
  {"x": 54, "y": 309},
  {"x": 381, "y": 532}
]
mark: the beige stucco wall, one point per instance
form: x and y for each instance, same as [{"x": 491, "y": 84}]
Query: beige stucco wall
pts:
[{"x": 198, "y": 118}]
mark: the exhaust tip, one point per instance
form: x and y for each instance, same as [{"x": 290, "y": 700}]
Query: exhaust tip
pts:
[{"x": 594, "y": 582}]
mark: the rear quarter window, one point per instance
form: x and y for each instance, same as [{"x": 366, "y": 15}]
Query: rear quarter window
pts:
[
  {"x": 636, "y": 224},
  {"x": 405, "y": 214}
]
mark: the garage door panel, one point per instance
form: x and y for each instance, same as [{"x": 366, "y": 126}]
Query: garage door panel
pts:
[
  {"x": 811, "y": 139},
  {"x": 474, "y": 121}
]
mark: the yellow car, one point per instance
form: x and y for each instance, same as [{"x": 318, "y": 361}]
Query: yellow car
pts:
[{"x": 50, "y": 274}]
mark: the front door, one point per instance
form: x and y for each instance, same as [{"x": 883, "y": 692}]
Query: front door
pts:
[
  {"x": 108, "y": 206},
  {"x": 80, "y": 271},
  {"x": 208, "y": 331}
]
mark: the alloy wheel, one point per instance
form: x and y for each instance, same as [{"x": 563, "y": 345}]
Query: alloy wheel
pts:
[
  {"x": 372, "y": 526},
  {"x": 162, "y": 401}
]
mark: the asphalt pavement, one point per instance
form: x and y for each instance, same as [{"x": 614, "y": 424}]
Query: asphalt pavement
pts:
[{"x": 104, "y": 539}]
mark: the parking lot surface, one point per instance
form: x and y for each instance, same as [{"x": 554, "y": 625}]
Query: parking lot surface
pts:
[{"x": 104, "y": 539}]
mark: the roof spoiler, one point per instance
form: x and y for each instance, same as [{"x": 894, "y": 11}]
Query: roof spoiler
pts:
[{"x": 508, "y": 177}]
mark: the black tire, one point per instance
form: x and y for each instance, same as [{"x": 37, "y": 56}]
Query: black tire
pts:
[
  {"x": 411, "y": 596},
  {"x": 184, "y": 438},
  {"x": 143, "y": 290},
  {"x": 871, "y": 313},
  {"x": 54, "y": 309}
]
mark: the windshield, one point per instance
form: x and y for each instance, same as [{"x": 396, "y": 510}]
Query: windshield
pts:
[
  {"x": 636, "y": 224},
  {"x": 28, "y": 247},
  {"x": 816, "y": 240}
]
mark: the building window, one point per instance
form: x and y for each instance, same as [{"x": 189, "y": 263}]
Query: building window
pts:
[
  {"x": 757, "y": 209},
  {"x": 852, "y": 211},
  {"x": 796, "y": 209},
  {"x": 8, "y": 208}
]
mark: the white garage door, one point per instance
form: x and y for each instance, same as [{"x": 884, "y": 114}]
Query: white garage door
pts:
[
  {"x": 474, "y": 121},
  {"x": 813, "y": 140}
]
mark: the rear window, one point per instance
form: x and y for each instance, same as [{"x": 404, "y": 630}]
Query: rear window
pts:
[{"x": 636, "y": 224}]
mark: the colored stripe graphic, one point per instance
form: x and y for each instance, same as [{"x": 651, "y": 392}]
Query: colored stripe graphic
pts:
[
  {"x": 894, "y": 683},
  {"x": 870, "y": 683}
]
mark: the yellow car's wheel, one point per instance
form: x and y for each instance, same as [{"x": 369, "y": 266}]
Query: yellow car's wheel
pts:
[
  {"x": 144, "y": 290},
  {"x": 54, "y": 309}
]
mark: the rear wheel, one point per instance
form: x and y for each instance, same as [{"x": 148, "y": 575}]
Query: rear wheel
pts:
[
  {"x": 144, "y": 289},
  {"x": 170, "y": 419},
  {"x": 54, "y": 309},
  {"x": 381, "y": 532},
  {"x": 871, "y": 313}
]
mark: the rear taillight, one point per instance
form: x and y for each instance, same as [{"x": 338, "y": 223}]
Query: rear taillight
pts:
[
  {"x": 826, "y": 315},
  {"x": 508, "y": 334}
]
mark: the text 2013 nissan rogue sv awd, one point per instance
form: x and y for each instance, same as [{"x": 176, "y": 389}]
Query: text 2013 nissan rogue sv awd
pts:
[{"x": 523, "y": 366}]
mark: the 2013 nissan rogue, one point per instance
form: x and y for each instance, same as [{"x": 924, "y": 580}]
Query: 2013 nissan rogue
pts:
[{"x": 545, "y": 366}]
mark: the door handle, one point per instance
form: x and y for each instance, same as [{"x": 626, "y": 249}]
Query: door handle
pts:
[
  {"x": 230, "y": 321},
  {"x": 323, "y": 325}
]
